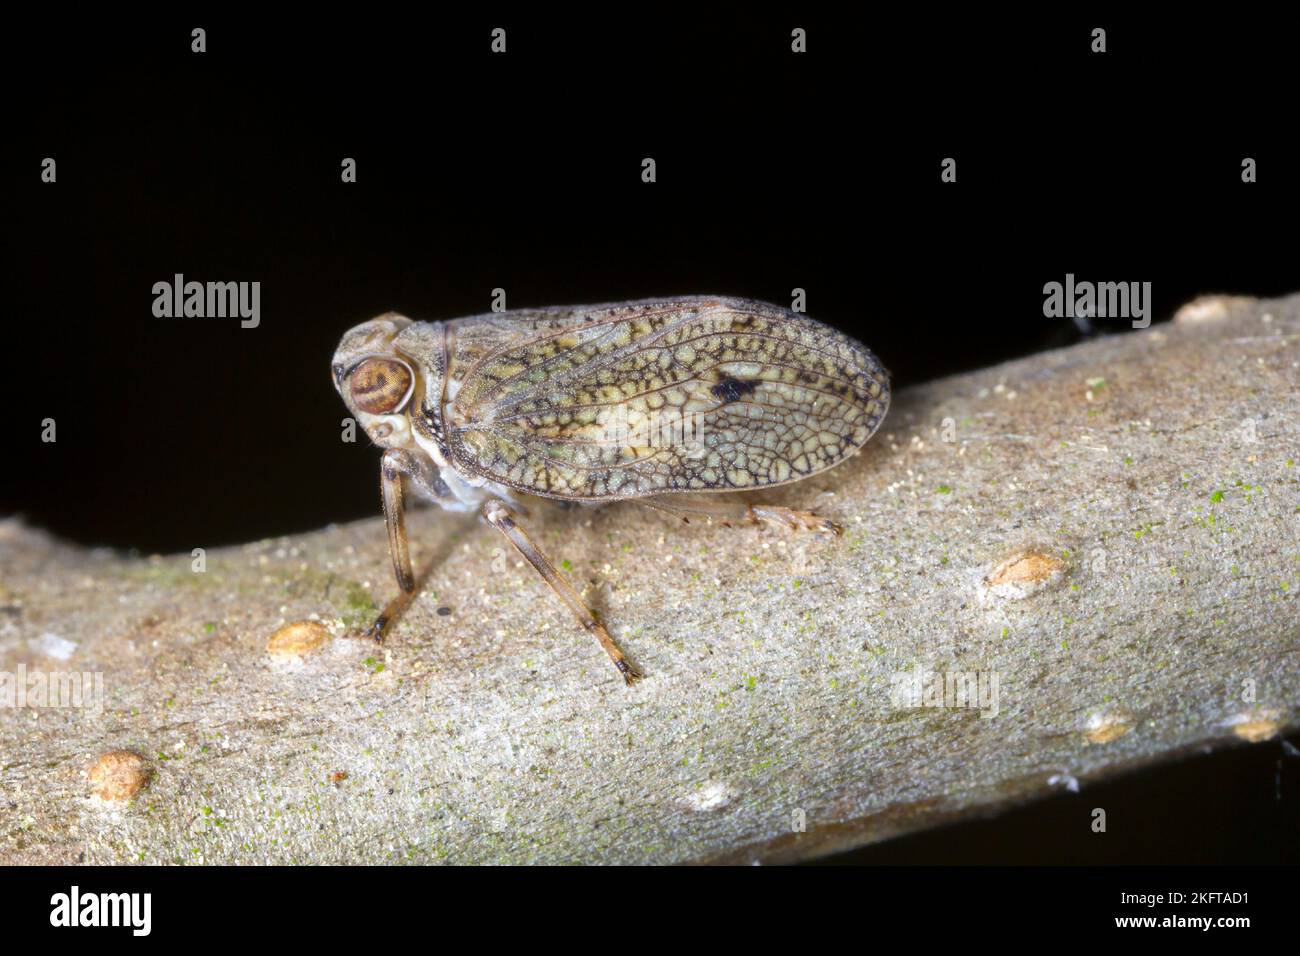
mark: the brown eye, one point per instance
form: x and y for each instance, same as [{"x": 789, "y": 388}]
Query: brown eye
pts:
[{"x": 379, "y": 385}]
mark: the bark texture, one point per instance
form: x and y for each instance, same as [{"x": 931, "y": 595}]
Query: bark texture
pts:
[{"x": 1111, "y": 532}]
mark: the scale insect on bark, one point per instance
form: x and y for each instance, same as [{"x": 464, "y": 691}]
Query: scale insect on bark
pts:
[{"x": 668, "y": 402}]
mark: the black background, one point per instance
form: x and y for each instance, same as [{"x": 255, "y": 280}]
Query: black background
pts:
[{"x": 522, "y": 171}]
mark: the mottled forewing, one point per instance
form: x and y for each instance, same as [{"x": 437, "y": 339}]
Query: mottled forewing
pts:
[{"x": 644, "y": 398}]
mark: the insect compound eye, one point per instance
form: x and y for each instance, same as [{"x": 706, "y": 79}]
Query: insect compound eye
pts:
[{"x": 380, "y": 385}]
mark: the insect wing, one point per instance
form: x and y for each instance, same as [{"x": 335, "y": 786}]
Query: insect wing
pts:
[{"x": 643, "y": 398}]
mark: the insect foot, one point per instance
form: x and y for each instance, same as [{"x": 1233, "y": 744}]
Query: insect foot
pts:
[
  {"x": 376, "y": 631},
  {"x": 794, "y": 520},
  {"x": 630, "y": 674}
]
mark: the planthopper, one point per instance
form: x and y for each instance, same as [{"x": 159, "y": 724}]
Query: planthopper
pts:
[{"x": 670, "y": 402}]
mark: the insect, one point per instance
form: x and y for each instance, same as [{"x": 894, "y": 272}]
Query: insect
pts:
[{"x": 664, "y": 401}]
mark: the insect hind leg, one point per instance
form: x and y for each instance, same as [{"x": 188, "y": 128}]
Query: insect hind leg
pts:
[
  {"x": 500, "y": 516},
  {"x": 736, "y": 511}
]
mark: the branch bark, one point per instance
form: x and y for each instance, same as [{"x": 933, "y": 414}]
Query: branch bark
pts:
[{"x": 1108, "y": 531}]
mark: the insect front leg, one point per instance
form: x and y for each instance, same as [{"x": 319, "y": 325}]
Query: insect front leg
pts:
[
  {"x": 736, "y": 511},
  {"x": 500, "y": 517},
  {"x": 396, "y": 465}
]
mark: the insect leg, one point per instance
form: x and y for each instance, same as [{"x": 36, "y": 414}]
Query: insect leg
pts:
[
  {"x": 734, "y": 510},
  {"x": 395, "y": 465},
  {"x": 500, "y": 517},
  {"x": 793, "y": 519},
  {"x": 391, "y": 469}
]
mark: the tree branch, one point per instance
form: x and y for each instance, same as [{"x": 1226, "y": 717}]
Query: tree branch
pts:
[{"x": 1106, "y": 535}]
